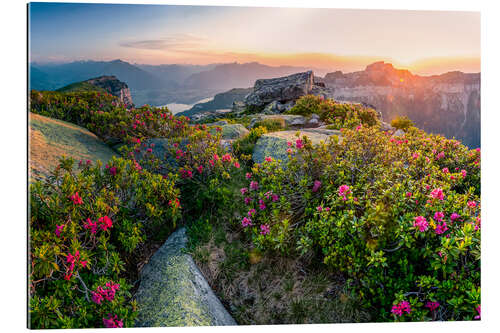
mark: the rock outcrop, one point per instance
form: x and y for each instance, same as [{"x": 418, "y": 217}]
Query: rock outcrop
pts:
[
  {"x": 275, "y": 144},
  {"x": 281, "y": 89},
  {"x": 114, "y": 86},
  {"x": 50, "y": 138},
  {"x": 448, "y": 104},
  {"x": 173, "y": 292},
  {"x": 220, "y": 101}
]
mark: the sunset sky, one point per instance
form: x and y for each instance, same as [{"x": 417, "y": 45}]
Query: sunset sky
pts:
[{"x": 426, "y": 42}]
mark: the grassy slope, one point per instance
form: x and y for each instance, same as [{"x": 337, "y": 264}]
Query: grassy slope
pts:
[
  {"x": 80, "y": 86},
  {"x": 50, "y": 138}
]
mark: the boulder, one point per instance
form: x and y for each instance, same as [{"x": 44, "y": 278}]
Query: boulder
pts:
[
  {"x": 282, "y": 89},
  {"x": 238, "y": 107},
  {"x": 114, "y": 87},
  {"x": 231, "y": 131},
  {"x": 51, "y": 138},
  {"x": 173, "y": 292},
  {"x": 275, "y": 144},
  {"x": 291, "y": 120}
]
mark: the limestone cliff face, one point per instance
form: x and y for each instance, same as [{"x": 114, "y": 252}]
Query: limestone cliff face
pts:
[
  {"x": 449, "y": 104},
  {"x": 115, "y": 87}
]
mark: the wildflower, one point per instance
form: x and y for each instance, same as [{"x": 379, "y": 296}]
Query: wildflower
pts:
[
  {"x": 244, "y": 190},
  {"x": 76, "y": 199},
  {"x": 236, "y": 164},
  {"x": 254, "y": 185},
  {"x": 432, "y": 305},
  {"x": 421, "y": 223},
  {"x": 89, "y": 162},
  {"x": 319, "y": 208},
  {"x": 96, "y": 297},
  {"x": 454, "y": 216},
  {"x": 149, "y": 150},
  {"x": 438, "y": 216},
  {"x": 200, "y": 169},
  {"x": 59, "y": 228},
  {"x": 105, "y": 223},
  {"x": 274, "y": 198},
  {"x": 401, "y": 307},
  {"x": 262, "y": 204},
  {"x": 264, "y": 229},
  {"x": 358, "y": 127},
  {"x": 289, "y": 151},
  {"x": 251, "y": 212},
  {"x": 246, "y": 222},
  {"x": 226, "y": 158},
  {"x": 316, "y": 186},
  {"x": 409, "y": 194},
  {"x": 112, "y": 322},
  {"x": 269, "y": 159},
  {"x": 343, "y": 191},
  {"x": 471, "y": 204},
  {"x": 216, "y": 157},
  {"x": 248, "y": 175},
  {"x": 248, "y": 200},
  {"x": 437, "y": 194},
  {"x": 445, "y": 170},
  {"x": 289, "y": 144},
  {"x": 112, "y": 171},
  {"x": 441, "y": 228},
  {"x": 91, "y": 225},
  {"x": 299, "y": 144},
  {"x": 478, "y": 309}
]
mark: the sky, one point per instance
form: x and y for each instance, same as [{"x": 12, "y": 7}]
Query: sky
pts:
[{"x": 426, "y": 42}]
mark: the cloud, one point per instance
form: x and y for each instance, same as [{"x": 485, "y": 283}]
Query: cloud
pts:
[{"x": 173, "y": 43}]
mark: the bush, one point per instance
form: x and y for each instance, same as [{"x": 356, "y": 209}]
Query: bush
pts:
[
  {"x": 243, "y": 148},
  {"x": 336, "y": 115},
  {"x": 401, "y": 123},
  {"x": 399, "y": 217},
  {"x": 271, "y": 125},
  {"x": 104, "y": 115},
  {"x": 87, "y": 237}
]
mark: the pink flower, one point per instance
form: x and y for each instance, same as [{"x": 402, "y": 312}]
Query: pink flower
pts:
[
  {"x": 358, "y": 127},
  {"x": 254, "y": 185},
  {"x": 269, "y": 159},
  {"x": 289, "y": 144},
  {"x": 441, "y": 228},
  {"x": 343, "y": 191},
  {"x": 274, "y": 198},
  {"x": 200, "y": 169},
  {"x": 432, "y": 305},
  {"x": 246, "y": 222},
  {"x": 236, "y": 164},
  {"x": 216, "y": 157},
  {"x": 471, "y": 204},
  {"x": 59, "y": 228},
  {"x": 248, "y": 175},
  {"x": 251, "y": 212},
  {"x": 299, "y": 144},
  {"x": 244, "y": 190},
  {"x": 437, "y": 194},
  {"x": 445, "y": 170},
  {"x": 226, "y": 158},
  {"x": 76, "y": 199},
  {"x": 289, "y": 151},
  {"x": 90, "y": 225},
  {"x": 112, "y": 322},
  {"x": 454, "y": 216},
  {"x": 316, "y": 186},
  {"x": 105, "y": 223},
  {"x": 409, "y": 194},
  {"x": 264, "y": 229},
  {"x": 415, "y": 156},
  {"x": 421, "y": 223},
  {"x": 401, "y": 307},
  {"x": 478, "y": 309},
  {"x": 319, "y": 208},
  {"x": 248, "y": 200},
  {"x": 438, "y": 216},
  {"x": 440, "y": 155},
  {"x": 112, "y": 171},
  {"x": 262, "y": 204},
  {"x": 464, "y": 173}
]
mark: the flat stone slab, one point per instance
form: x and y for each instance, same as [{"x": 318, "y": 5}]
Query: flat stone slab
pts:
[
  {"x": 173, "y": 292},
  {"x": 275, "y": 144}
]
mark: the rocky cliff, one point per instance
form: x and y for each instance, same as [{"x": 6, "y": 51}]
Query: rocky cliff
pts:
[
  {"x": 114, "y": 86},
  {"x": 449, "y": 104}
]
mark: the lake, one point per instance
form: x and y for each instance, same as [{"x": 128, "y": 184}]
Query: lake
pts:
[{"x": 178, "y": 107}]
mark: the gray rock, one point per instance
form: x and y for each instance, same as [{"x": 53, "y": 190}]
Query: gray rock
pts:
[
  {"x": 238, "y": 107},
  {"x": 273, "y": 108},
  {"x": 173, "y": 292},
  {"x": 386, "y": 127},
  {"x": 399, "y": 133},
  {"x": 275, "y": 144},
  {"x": 280, "y": 89},
  {"x": 233, "y": 131}
]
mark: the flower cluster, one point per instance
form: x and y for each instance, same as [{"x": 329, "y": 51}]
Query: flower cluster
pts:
[
  {"x": 400, "y": 308},
  {"x": 105, "y": 293}
]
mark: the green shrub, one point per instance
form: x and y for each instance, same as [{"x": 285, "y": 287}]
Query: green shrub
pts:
[
  {"x": 401, "y": 123},
  {"x": 243, "y": 148},
  {"x": 87, "y": 236},
  {"x": 399, "y": 217},
  {"x": 335, "y": 115},
  {"x": 271, "y": 124}
]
